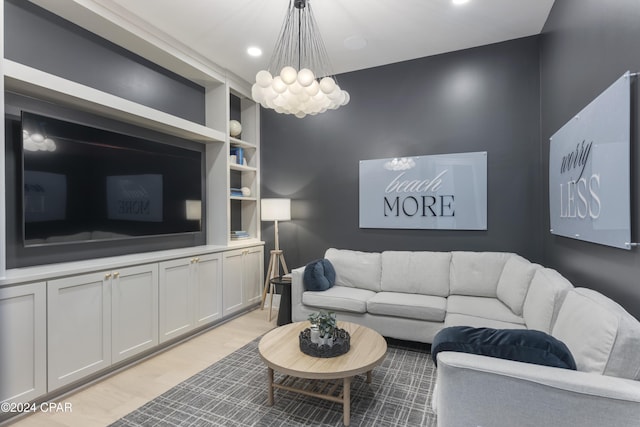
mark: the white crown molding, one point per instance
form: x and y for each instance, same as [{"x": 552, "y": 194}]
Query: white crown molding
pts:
[{"x": 112, "y": 22}]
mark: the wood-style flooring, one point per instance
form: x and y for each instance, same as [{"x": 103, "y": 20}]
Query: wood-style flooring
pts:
[{"x": 113, "y": 397}]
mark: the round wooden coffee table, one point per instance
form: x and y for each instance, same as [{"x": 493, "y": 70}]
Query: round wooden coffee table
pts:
[{"x": 280, "y": 350}]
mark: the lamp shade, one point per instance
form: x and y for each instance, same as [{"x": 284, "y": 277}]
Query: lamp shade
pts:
[{"x": 275, "y": 209}]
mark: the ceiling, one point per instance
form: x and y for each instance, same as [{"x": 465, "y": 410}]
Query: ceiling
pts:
[{"x": 391, "y": 30}]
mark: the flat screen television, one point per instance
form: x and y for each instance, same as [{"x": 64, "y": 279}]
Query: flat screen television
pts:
[{"x": 85, "y": 184}]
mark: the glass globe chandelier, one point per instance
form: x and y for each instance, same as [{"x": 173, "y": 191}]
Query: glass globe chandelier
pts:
[{"x": 298, "y": 80}]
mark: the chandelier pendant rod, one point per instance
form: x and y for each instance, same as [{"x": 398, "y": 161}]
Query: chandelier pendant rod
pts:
[{"x": 300, "y": 36}]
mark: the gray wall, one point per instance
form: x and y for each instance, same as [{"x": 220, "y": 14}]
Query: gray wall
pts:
[
  {"x": 42, "y": 40},
  {"x": 482, "y": 99},
  {"x": 585, "y": 46}
]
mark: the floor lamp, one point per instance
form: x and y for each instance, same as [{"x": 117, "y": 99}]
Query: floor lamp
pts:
[{"x": 274, "y": 210}]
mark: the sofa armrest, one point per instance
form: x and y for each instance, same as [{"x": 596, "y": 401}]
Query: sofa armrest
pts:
[
  {"x": 474, "y": 390},
  {"x": 297, "y": 289}
]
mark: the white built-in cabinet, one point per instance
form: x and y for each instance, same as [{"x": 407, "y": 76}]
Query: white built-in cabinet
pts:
[
  {"x": 242, "y": 278},
  {"x": 97, "y": 319},
  {"x": 190, "y": 294},
  {"x": 72, "y": 327},
  {"x": 23, "y": 341},
  {"x": 61, "y": 324}
]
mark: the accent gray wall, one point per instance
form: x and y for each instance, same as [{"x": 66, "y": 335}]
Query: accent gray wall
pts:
[
  {"x": 42, "y": 40},
  {"x": 585, "y": 46},
  {"x": 481, "y": 99}
]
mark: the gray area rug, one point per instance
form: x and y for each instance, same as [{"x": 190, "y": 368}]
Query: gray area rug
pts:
[{"x": 233, "y": 392}]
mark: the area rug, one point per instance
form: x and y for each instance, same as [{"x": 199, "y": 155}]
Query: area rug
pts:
[{"x": 233, "y": 392}]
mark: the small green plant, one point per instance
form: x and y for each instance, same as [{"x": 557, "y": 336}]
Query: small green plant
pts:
[{"x": 326, "y": 323}]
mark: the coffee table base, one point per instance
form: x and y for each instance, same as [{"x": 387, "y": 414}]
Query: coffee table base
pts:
[{"x": 327, "y": 390}]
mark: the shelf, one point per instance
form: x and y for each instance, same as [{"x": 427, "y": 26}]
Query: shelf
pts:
[
  {"x": 244, "y": 242},
  {"x": 241, "y": 168},
  {"x": 243, "y": 198},
  {"x": 30, "y": 81},
  {"x": 235, "y": 142}
]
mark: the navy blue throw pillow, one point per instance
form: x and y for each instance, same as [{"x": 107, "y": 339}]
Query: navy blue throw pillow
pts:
[
  {"x": 319, "y": 275},
  {"x": 521, "y": 345}
]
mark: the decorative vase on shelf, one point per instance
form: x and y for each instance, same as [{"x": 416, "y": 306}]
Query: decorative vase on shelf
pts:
[{"x": 235, "y": 128}]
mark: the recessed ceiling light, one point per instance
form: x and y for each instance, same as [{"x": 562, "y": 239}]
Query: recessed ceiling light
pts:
[
  {"x": 459, "y": 1},
  {"x": 254, "y": 51}
]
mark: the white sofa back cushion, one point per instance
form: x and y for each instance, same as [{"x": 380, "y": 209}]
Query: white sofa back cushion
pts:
[
  {"x": 416, "y": 272},
  {"x": 476, "y": 273},
  {"x": 543, "y": 300},
  {"x": 356, "y": 269},
  {"x": 601, "y": 335},
  {"x": 514, "y": 282}
]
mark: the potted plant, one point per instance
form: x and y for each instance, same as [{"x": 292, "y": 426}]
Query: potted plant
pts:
[{"x": 325, "y": 324}]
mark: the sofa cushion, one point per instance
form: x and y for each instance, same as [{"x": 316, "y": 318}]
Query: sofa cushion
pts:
[
  {"x": 487, "y": 308},
  {"x": 356, "y": 269},
  {"x": 602, "y": 336},
  {"x": 514, "y": 282},
  {"x": 454, "y": 319},
  {"x": 416, "y": 272},
  {"x": 339, "y": 298},
  {"x": 546, "y": 292},
  {"x": 476, "y": 273},
  {"x": 413, "y": 306},
  {"x": 512, "y": 344},
  {"x": 319, "y": 275}
]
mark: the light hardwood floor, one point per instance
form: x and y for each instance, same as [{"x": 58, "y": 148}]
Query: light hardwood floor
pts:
[{"x": 110, "y": 399}]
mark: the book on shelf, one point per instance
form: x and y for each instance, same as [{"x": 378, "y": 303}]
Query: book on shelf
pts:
[
  {"x": 239, "y": 153},
  {"x": 239, "y": 234}
]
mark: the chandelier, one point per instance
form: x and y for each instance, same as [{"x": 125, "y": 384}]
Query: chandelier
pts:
[{"x": 298, "y": 80}]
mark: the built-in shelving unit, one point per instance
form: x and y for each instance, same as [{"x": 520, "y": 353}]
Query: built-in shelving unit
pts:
[
  {"x": 240, "y": 262},
  {"x": 222, "y": 174},
  {"x": 30, "y": 81},
  {"x": 244, "y": 211}
]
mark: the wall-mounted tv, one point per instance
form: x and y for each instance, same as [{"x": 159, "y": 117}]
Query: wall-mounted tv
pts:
[{"x": 87, "y": 184}]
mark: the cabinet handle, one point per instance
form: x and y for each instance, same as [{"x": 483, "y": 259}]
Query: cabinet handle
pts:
[
  {"x": 116, "y": 274},
  {"x": 107, "y": 276},
  {"x": 246, "y": 251},
  {"x": 197, "y": 259}
]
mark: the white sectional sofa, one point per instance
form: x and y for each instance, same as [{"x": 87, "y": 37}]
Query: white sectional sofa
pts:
[{"x": 413, "y": 295}]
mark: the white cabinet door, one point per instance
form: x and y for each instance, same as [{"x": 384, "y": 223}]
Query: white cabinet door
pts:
[
  {"x": 232, "y": 282},
  {"x": 79, "y": 327},
  {"x": 252, "y": 275},
  {"x": 134, "y": 297},
  {"x": 242, "y": 278},
  {"x": 176, "y": 298},
  {"x": 208, "y": 289},
  {"x": 23, "y": 342},
  {"x": 190, "y": 294}
]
